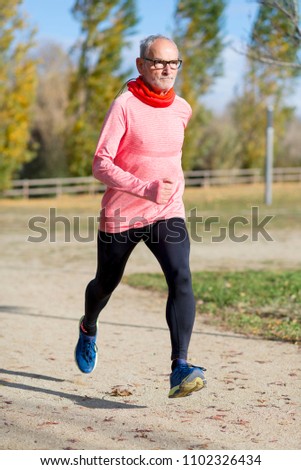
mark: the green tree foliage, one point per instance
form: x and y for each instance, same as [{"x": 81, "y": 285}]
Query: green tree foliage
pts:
[
  {"x": 249, "y": 114},
  {"x": 17, "y": 90},
  {"x": 264, "y": 82},
  {"x": 289, "y": 148},
  {"x": 275, "y": 35},
  {"x": 285, "y": 22},
  {"x": 218, "y": 144},
  {"x": 198, "y": 33},
  {"x": 105, "y": 28}
]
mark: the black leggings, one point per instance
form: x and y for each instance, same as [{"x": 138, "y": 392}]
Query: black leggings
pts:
[{"x": 168, "y": 240}]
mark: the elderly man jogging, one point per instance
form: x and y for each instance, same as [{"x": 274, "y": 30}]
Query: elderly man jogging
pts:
[{"x": 138, "y": 158}]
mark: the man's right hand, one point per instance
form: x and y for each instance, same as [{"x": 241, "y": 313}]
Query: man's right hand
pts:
[{"x": 161, "y": 190}]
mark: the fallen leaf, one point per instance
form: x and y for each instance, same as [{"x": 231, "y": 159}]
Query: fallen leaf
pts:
[
  {"x": 48, "y": 423},
  {"x": 241, "y": 422},
  {"x": 217, "y": 417},
  {"x": 109, "y": 419},
  {"x": 120, "y": 392},
  {"x": 280, "y": 383},
  {"x": 142, "y": 430}
]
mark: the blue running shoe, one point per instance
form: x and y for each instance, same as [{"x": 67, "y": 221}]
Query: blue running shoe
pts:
[
  {"x": 185, "y": 379},
  {"x": 86, "y": 351}
]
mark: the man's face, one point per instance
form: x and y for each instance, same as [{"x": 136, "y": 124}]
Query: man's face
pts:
[{"x": 162, "y": 80}]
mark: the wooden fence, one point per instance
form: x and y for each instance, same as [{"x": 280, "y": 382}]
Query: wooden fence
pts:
[{"x": 88, "y": 185}]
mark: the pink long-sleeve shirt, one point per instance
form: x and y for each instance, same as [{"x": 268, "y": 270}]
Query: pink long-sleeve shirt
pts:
[{"x": 138, "y": 147}]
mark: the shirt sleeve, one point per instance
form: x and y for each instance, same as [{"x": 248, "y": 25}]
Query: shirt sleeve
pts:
[{"x": 104, "y": 168}]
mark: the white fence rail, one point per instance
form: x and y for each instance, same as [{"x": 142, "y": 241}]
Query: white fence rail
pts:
[
  {"x": 82, "y": 185},
  {"x": 53, "y": 187}
]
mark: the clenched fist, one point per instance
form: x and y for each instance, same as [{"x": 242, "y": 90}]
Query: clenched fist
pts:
[{"x": 160, "y": 191}]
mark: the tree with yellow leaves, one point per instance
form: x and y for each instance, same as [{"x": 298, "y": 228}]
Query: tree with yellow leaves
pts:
[{"x": 17, "y": 90}]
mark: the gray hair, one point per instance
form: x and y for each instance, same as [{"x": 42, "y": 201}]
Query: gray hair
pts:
[{"x": 146, "y": 43}]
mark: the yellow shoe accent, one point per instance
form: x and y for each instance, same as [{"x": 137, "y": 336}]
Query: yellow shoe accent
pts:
[{"x": 186, "y": 388}]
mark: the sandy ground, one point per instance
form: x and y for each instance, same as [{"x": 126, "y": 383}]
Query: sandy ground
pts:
[{"x": 253, "y": 396}]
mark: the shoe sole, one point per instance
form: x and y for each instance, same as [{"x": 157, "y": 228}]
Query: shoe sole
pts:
[{"x": 186, "y": 388}]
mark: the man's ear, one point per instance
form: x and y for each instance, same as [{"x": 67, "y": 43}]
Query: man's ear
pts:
[{"x": 139, "y": 65}]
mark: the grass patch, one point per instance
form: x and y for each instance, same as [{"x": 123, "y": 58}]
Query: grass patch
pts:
[
  {"x": 261, "y": 303},
  {"x": 230, "y": 201}
]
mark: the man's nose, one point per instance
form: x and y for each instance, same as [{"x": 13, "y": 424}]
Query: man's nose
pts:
[{"x": 167, "y": 69}]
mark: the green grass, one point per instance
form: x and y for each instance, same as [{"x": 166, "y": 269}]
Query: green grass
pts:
[
  {"x": 226, "y": 202},
  {"x": 261, "y": 303}
]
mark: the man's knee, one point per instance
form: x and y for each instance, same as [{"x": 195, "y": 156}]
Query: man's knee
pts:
[{"x": 180, "y": 279}]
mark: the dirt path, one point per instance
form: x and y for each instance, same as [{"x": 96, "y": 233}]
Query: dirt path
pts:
[{"x": 253, "y": 396}]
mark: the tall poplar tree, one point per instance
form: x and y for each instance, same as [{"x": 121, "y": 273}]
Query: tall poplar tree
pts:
[
  {"x": 265, "y": 83},
  {"x": 17, "y": 90},
  {"x": 199, "y": 35},
  {"x": 105, "y": 30},
  {"x": 286, "y": 22}
]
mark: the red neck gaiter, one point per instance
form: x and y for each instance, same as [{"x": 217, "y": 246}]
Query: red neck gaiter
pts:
[{"x": 147, "y": 96}]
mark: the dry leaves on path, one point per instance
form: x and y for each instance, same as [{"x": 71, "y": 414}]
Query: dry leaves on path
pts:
[{"x": 120, "y": 392}]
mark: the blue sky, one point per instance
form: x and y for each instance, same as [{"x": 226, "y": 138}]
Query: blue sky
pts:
[{"x": 54, "y": 21}]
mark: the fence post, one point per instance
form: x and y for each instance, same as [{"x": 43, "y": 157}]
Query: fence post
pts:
[
  {"x": 59, "y": 187},
  {"x": 206, "y": 178},
  {"x": 25, "y": 189},
  {"x": 269, "y": 156}
]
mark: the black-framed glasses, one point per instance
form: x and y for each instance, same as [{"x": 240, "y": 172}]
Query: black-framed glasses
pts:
[{"x": 161, "y": 64}]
